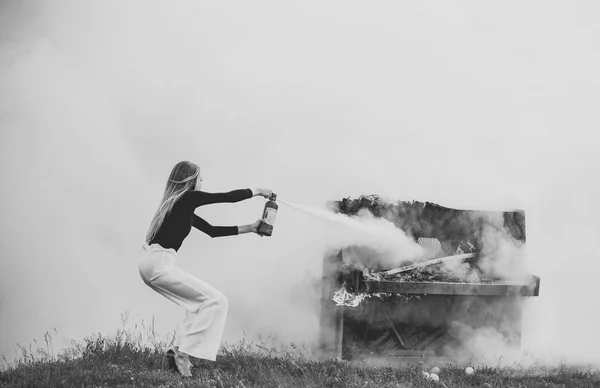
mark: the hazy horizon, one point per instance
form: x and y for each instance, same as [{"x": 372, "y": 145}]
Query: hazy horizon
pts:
[{"x": 471, "y": 106}]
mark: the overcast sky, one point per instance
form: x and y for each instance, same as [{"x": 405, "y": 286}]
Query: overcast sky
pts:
[{"x": 468, "y": 104}]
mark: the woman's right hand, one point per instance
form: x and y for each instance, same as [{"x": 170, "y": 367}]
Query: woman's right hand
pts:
[
  {"x": 263, "y": 192},
  {"x": 256, "y": 225}
]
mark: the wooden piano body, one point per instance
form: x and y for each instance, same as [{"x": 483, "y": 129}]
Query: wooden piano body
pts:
[{"x": 420, "y": 318}]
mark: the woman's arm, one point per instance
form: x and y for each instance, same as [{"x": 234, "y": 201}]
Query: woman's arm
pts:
[
  {"x": 252, "y": 228},
  {"x": 198, "y": 198},
  {"x": 213, "y": 231},
  {"x": 221, "y": 231}
]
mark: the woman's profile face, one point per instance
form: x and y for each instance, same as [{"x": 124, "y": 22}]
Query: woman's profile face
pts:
[{"x": 198, "y": 183}]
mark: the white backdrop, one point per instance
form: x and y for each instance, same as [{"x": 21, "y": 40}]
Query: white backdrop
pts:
[{"x": 470, "y": 106}]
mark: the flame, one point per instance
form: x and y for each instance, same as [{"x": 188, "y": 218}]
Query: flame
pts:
[
  {"x": 352, "y": 299},
  {"x": 344, "y": 298}
]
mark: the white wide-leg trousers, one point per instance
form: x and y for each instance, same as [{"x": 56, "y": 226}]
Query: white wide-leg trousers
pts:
[{"x": 200, "y": 332}]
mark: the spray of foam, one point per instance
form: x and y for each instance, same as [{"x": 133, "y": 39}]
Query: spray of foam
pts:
[{"x": 370, "y": 242}]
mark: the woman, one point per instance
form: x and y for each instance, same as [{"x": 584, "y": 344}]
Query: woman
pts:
[{"x": 199, "y": 334}]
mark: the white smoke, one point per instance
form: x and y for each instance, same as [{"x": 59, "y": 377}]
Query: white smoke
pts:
[
  {"x": 372, "y": 242},
  {"x": 503, "y": 256}
]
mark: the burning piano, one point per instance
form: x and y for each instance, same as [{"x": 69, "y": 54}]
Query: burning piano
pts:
[{"x": 463, "y": 284}]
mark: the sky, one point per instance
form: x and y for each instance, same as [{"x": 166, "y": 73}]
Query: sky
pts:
[{"x": 470, "y": 105}]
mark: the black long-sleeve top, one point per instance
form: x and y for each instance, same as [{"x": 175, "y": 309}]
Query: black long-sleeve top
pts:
[{"x": 178, "y": 223}]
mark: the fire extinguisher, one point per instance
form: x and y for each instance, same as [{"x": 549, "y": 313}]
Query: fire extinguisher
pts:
[{"x": 269, "y": 213}]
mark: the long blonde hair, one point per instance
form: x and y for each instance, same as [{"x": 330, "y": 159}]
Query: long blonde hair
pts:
[{"x": 183, "y": 178}]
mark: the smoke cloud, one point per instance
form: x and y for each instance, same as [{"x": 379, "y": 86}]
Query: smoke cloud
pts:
[
  {"x": 461, "y": 105},
  {"x": 502, "y": 255},
  {"x": 369, "y": 242}
]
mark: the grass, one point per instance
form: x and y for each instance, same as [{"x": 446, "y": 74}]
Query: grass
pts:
[{"x": 138, "y": 359}]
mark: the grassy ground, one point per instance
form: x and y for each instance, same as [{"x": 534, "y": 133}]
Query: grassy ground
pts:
[{"x": 126, "y": 359}]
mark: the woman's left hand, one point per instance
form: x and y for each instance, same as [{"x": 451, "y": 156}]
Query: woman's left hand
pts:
[{"x": 263, "y": 192}]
